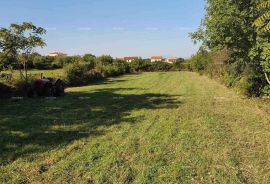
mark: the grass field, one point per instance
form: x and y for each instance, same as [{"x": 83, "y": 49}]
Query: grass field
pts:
[
  {"x": 148, "y": 128},
  {"x": 57, "y": 73}
]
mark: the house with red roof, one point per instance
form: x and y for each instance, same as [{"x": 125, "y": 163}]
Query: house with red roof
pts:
[
  {"x": 171, "y": 60},
  {"x": 130, "y": 59},
  {"x": 156, "y": 58}
]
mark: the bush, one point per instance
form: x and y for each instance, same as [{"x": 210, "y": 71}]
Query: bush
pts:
[
  {"x": 178, "y": 65},
  {"x": 139, "y": 65},
  {"x": 161, "y": 66},
  {"x": 42, "y": 62},
  {"x": 108, "y": 67},
  {"x": 122, "y": 66},
  {"x": 89, "y": 60},
  {"x": 58, "y": 62},
  {"x": 93, "y": 75},
  {"x": 254, "y": 79},
  {"x": 76, "y": 74},
  {"x": 104, "y": 60},
  {"x": 107, "y": 70}
]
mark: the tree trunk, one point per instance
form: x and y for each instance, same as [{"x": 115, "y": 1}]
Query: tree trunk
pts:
[
  {"x": 21, "y": 73},
  {"x": 25, "y": 71},
  {"x": 267, "y": 78}
]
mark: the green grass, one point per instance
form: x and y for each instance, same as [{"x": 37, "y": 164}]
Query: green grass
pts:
[
  {"x": 149, "y": 128},
  {"x": 57, "y": 73}
]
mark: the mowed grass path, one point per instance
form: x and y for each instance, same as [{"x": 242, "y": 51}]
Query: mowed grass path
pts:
[{"x": 174, "y": 127}]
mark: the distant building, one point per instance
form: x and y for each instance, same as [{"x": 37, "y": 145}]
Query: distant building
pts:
[
  {"x": 171, "y": 60},
  {"x": 130, "y": 59},
  {"x": 156, "y": 58},
  {"x": 53, "y": 54}
]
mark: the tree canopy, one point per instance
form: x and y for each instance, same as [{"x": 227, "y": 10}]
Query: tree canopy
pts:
[{"x": 21, "y": 40}]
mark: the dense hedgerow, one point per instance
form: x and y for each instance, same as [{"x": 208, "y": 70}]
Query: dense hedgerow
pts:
[
  {"x": 247, "y": 78},
  {"x": 81, "y": 70},
  {"x": 235, "y": 26}
]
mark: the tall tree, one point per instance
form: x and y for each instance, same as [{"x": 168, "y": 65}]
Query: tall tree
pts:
[
  {"x": 21, "y": 40},
  {"x": 262, "y": 25},
  {"x": 229, "y": 25}
]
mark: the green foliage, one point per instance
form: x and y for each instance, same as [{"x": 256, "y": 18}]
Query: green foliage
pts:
[
  {"x": 59, "y": 61},
  {"x": 76, "y": 74},
  {"x": 200, "y": 61},
  {"x": 89, "y": 61},
  {"x": 41, "y": 62},
  {"x": 262, "y": 22},
  {"x": 104, "y": 60},
  {"x": 21, "y": 40},
  {"x": 178, "y": 65},
  {"x": 109, "y": 67},
  {"x": 160, "y": 66},
  {"x": 139, "y": 65},
  {"x": 5, "y": 61},
  {"x": 228, "y": 25}
]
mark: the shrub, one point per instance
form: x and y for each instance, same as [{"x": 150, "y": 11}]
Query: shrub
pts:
[
  {"x": 89, "y": 60},
  {"x": 104, "y": 60},
  {"x": 178, "y": 65},
  {"x": 58, "y": 62},
  {"x": 41, "y": 62},
  {"x": 107, "y": 70},
  {"x": 93, "y": 75},
  {"x": 161, "y": 66},
  {"x": 139, "y": 65},
  {"x": 76, "y": 74},
  {"x": 122, "y": 66}
]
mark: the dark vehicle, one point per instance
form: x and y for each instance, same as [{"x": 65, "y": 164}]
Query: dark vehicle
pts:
[{"x": 47, "y": 87}]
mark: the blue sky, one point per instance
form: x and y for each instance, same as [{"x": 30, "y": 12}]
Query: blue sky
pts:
[{"x": 116, "y": 27}]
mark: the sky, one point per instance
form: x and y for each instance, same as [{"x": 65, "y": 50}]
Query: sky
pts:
[{"x": 116, "y": 27}]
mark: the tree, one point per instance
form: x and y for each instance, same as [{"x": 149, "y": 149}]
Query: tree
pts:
[
  {"x": 139, "y": 65},
  {"x": 21, "y": 40},
  {"x": 262, "y": 23},
  {"x": 229, "y": 25},
  {"x": 89, "y": 60},
  {"x": 104, "y": 60}
]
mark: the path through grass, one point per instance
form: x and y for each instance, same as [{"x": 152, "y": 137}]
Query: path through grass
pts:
[{"x": 148, "y": 128}]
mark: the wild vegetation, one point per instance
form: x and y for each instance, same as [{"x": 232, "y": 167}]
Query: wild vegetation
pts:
[
  {"x": 149, "y": 125},
  {"x": 238, "y": 29},
  {"x": 75, "y": 70}
]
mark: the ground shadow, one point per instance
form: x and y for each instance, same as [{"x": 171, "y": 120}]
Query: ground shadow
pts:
[{"x": 32, "y": 126}]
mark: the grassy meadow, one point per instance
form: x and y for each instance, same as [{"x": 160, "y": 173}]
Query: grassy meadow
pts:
[
  {"x": 176, "y": 127},
  {"x": 34, "y": 73}
]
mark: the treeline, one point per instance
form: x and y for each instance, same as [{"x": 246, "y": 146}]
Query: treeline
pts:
[
  {"x": 236, "y": 46},
  {"x": 84, "y": 69},
  {"x": 89, "y": 68}
]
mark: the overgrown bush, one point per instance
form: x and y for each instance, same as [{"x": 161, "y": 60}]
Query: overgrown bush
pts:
[
  {"x": 108, "y": 67},
  {"x": 139, "y": 65},
  {"x": 76, "y": 74},
  {"x": 161, "y": 66},
  {"x": 179, "y": 65},
  {"x": 42, "y": 62}
]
